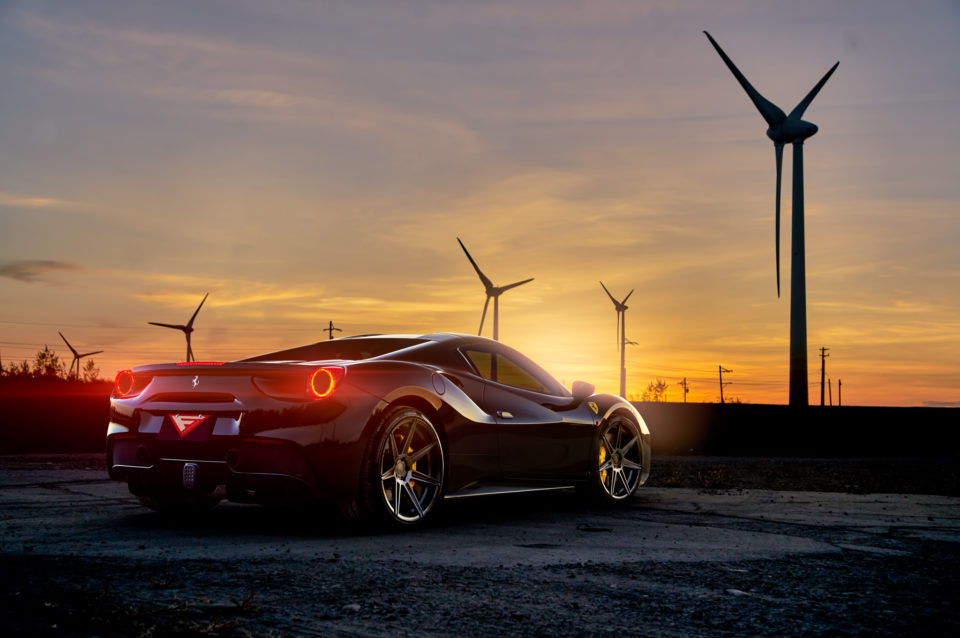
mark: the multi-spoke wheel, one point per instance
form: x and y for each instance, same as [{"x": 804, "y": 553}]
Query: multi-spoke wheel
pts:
[
  {"x": 619, "y": 459},
  {"x": 409, "y": 467}
]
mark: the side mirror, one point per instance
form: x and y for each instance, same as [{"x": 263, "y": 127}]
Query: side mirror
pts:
[{"x": 581, "y": 390}]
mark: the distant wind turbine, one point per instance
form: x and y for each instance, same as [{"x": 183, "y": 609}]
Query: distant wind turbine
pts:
[
  {"x": 789, "y": 129},
  {"x": 492, "y": 291},
  {"x": 621, "y": 307},
  {"x": 186, "y": 329},
  {"x": 76, "y": 355}
]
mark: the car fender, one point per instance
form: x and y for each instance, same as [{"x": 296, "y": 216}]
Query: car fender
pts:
[
  {"x": 607, "y": 404},
  {"x": 391, "y": 381}
]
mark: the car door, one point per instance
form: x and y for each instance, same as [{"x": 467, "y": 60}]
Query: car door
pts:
[{"x": 537, "y": 438}]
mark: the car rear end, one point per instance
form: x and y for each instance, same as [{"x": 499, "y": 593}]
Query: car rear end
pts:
[{"x": 247, "y": 431}]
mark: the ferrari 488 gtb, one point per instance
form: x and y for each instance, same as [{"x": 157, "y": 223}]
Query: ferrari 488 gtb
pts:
[{"x": 385, "y": 426}]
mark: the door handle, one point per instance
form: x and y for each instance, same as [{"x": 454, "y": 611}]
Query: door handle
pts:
[{"x": 503, "y": 414}]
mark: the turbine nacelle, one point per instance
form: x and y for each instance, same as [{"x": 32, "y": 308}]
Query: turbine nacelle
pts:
[{"x": 791, "y": 131}]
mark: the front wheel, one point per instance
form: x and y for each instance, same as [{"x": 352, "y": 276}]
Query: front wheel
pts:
[
  {"x": 619, "y": 460},
  {"x": 406, "y": 469}
]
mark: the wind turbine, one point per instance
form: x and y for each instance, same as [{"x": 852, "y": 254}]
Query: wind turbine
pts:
[
  {"x": 76, "y": 355},
  {"x": 492, "y": 291},
  {"x": 789, "y": 129},
  {"x": 187, "y": 329},
  {"x": 622, "y": 340}
]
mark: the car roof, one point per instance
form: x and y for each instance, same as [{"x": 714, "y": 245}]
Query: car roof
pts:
[{"x": 440, "y": 337}]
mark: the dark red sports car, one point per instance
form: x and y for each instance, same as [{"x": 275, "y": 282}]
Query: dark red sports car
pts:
[{"x": 386, "y": 425}]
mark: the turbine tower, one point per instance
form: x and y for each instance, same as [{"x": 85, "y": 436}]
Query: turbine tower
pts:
[
  {"x": 186, "y": 329},
  {"x": 621, "y": 307},
  {"x": 76, "y": 355},
  {"x": 789, "y": 129},
  {"x": 492, "y": 291}
]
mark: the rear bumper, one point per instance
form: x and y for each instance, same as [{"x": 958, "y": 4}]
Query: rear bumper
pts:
[{"x": 245, "y": 470}]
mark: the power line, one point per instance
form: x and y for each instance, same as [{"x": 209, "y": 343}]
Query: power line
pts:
[{"x": 330, "y": 330}]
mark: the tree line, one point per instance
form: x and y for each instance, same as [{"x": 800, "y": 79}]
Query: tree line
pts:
[{"x": 47, "y": 364}]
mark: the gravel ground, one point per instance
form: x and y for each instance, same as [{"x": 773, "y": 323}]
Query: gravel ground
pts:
[
  {"x": 701, "y": 552},
  {"x": 822, "y": 595}
]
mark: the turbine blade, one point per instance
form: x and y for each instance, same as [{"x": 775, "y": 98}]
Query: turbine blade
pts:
[
  {"x": 167, "y": 325},
  {"x": 484, "y": 315},
  {"x": 608, "y": 293},
  {"x": 195, "y": 312},
  {"x": 625, "y": 299},
  {"x": 779, "y": 150},
  {"x": 87, "y": 354},
  {"x": 770, "y": 111},
  {"x": 483, "y": 278},
  {"x": 515, "y": 284},
  {"x": 798, "y": 110},
  {"x": 67, "y": 342}
]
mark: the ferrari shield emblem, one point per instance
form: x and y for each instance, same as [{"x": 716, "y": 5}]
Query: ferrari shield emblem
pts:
[
  {"x": 593, "y": 406},
  {"x": 185, "y": 423}
]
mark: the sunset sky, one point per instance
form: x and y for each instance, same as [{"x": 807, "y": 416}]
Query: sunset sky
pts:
[{"x": 312, "y": 161}]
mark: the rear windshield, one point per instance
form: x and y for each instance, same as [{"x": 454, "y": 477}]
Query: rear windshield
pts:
[{"x": 340, "y": 349}]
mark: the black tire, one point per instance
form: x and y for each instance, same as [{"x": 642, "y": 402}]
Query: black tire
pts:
[
  {"x": 404, "y": 472},
  {"x": 618, "y": 461}
]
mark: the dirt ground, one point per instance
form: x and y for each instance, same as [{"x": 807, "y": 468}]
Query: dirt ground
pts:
[{"x": 706, "y": 549}]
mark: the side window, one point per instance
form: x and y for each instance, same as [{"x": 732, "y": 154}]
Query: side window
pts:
[
  {"x": 482, "y": 362},
  {"x": 509, "y": 373}
]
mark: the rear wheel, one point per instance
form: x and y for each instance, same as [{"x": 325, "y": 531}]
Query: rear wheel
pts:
[
  {"x": 619, "y": 460},
  {"x": 405, "y": 472}
]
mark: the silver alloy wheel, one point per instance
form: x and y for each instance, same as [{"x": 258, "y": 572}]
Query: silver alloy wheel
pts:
[
  {"x": 620, "y": 458},
  {"x": 411, "y": 466}
]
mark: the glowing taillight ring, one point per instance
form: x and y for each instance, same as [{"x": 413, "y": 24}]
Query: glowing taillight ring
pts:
[
  {"x": 124, "y": 383},
  {"x": 322, "y": 383}
]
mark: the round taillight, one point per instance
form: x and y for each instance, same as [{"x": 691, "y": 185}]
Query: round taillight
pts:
[
  {"x": 124, "y": 383},
  {"x": 324, "y": 381}
]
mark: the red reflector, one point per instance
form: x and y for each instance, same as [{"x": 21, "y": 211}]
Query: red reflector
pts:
[
  {"x": 186, "y": 423},
  {"x": 123, "y": 385},
  {"x": 200, "y": 363},
  {"x": 324, "y": 381}
]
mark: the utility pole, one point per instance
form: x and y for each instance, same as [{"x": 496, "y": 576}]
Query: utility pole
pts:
[
  {"x": 330, "y": 329},
  {"x": 830, "y": 390},
  {"x": 722, "y": 370},
  {"x": 685, "y": 389},
  {"x": 839, "y": 391},
  {"x": 823, "y": 370}
]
